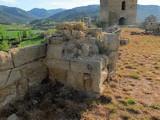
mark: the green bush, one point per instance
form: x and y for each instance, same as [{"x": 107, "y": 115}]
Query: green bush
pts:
[
  {"x": 5, "y": 45},
  {"x": 24, "y": 34}
]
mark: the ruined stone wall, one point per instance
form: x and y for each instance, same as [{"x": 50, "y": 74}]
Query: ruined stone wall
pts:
[
  {"x": 75, "y": 56},
  {"x": 111, "y": 11},
  {"x": 20, "y": 69},
  {"x": 82, "y": 58}
]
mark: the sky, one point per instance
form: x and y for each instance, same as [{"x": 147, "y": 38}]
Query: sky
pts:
[{"x": 53, "y": 4}]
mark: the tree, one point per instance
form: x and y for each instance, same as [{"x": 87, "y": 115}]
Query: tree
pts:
[
  {"x": 5, "y": 45},
  {"x": 24, "y": 34}
]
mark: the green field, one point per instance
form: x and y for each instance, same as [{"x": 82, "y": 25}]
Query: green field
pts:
[
  {"x": 12, "y": 31},
  {"x": 31, "y": 42},
  {"x": 20, "y": 35}
]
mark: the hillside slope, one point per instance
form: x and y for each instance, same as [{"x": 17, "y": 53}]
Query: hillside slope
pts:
[
  {"x": 76, "y": 13},
  {"x": 94, "y": 10},
  {"x": 43, "y": 13},
  {"x": 147, "y": 10},
  {"x": 14, "y": 15}
]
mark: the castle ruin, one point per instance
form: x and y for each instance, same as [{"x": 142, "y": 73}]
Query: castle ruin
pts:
[
  {"x": 118, "y": 12},
  {"x": 77, "y": 57}
]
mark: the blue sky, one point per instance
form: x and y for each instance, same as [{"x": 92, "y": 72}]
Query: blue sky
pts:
[{"x": 53, "y": 4}]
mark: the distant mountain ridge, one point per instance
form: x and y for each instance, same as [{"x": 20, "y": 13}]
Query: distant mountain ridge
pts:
[
  {"x": 147, "y": 10},
  {"x": 43, "y": 13},
  {"x": 14, "y": 15},
  {"x": 76, "y": 13},
  {"x": 94, "y": 10},
  {"x": 17, "y": 15}
]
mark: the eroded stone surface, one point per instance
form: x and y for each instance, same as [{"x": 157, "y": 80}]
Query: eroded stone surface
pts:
[
  {"x": 5, "y": 61},
  {"x": 7, "y": 95},
  {"x": 28, "y": 54},
  {"x": 81, "y": 57}
]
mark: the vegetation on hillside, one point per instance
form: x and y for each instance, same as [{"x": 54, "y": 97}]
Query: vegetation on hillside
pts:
[
  {"x": 14, "y": 15},
  {"x": 43, "y": 13},
  {"x": 20, "y": 35}
]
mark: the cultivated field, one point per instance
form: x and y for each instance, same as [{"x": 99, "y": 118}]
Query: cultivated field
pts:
[
  {"x": 132, "y": 94},
  {"x": 14, "y": 35}
]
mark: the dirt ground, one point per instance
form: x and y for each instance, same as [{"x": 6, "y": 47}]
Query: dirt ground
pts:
[{"x": 132, "y": 94}]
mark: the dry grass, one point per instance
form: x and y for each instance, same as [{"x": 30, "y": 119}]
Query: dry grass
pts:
[{"x": 133, "y": 94}]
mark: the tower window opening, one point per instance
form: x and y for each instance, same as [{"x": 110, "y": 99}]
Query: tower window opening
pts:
[{"x": 123, "y": 5}]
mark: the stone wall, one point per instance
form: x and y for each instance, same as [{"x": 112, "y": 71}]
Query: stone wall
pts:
[
  {"x": 82, "y": 58},
  {"x": 20, "y": 69},
  {"x": 75, "y": 56}
]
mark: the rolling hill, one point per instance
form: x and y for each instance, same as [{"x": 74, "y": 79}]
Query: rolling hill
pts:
[
  {"x": 146, "y": 10},
  {"x": 43, "y": 13},
  {"x": 14, "y": 15},
  {"x": 94, "y": 10},
  {"x": 76, "y": 13}
]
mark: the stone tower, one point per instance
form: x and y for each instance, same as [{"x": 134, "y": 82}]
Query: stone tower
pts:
[{"x": 122, "y": 12}]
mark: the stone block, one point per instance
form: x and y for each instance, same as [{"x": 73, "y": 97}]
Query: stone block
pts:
[
  {"x": 94, "y": 50},
  {"x": 75, "y": 80},
  {"x": 55, "y": 51},
  {"x": 34, "y": 72},
  {"x": 3, "y": 78},
  {"x": 27, "y": 54},
  {"x": 113, "y": 56},
  {"x": 70, "y": 50},
  {"x": 9, "y": 77},
  {"x": 58, "y": 64},
  {"x": 59, "y": 75},
  {"x": 33, "y": 68},
  {"x": 13, "y": 77},
  {"x": 112, "y": 42},
  {"x": 37, "y": 78},
  {"x": 22, "y": 88},
  {"x": 86, "y": 66},
  {"x": 56, "y": 40},
  {"x": 6, "y": 61},
  {"x": 97, "y": 81},
  {"x": 7, "y": 95}
]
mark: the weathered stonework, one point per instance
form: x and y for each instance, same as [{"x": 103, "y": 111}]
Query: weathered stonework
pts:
[
  {"x": 21, "y": 69},
  {"x": 122, "y": 12},
  {"x": 75, "y": 56},
  {"x": 82, "y": 58}
]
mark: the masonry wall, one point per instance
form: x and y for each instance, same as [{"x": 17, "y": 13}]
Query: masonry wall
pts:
[
  {"x": 82, "y": 59},
  {"x": 77, "y": 57},
  {"x": 21, "y": 69}
]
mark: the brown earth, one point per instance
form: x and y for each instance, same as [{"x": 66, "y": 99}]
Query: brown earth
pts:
[{"x": 132, "y": 94}]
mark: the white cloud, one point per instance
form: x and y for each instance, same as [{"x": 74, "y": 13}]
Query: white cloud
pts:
[
  {"x": 149, "y": 2},
  {"x": 67, "y": 4},
  {"x": 8, "y": 1}
]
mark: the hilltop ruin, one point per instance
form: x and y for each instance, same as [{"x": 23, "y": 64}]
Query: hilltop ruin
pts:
[{"x": 76, "y": 56}]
